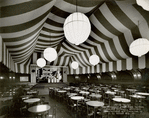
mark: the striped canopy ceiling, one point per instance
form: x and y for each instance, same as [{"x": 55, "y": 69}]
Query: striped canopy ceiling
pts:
[{"x": 28, "y": 27}]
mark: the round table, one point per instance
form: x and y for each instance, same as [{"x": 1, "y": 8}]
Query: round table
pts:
[
  {"x": 141, "y": 93},
  {"x": 32, "y": 100},
  {"x": 31, "y": 92},
  {"x": 71, "y": 94},
  {"x": 95, "y": 95},
  {"x": 131, "y": 90},
  {"x": 39, "y": 109},
  {"x": 110, "y": 92},
  {"x": 67, "y": 88},
  {"x": 91, "y": 90},
  {"x": 113, "y": 88},
  {"x": 77, "y": 97},
  {"x": 26, "y": 96},
  {"x": 61, "y": 91},
  {"x": 85, "y": 88},
  {"x": 3, "y": 99},
  {"x": 77, "y": 90},
  {"x": 137, "y": 96},
  {"x": 84, "y": 92},
  {"x": 122, "y": 100},
  {"x": 95, "y": 104}
]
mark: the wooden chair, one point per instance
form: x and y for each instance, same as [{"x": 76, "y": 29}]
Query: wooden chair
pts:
[
  {"x": 90, "y": 111},
  {"x": 53, "y": 115},
  {"x": 42, "y": 100}
]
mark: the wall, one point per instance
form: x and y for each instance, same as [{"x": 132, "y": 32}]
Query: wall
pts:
[
  {"x": 122, "y": 77},
  {"x": 8, "y": 78}
]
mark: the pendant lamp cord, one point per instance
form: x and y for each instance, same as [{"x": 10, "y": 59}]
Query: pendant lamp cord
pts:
[
  {"x": 50, "y": 39},
  {"x": 76, "y": 6}
]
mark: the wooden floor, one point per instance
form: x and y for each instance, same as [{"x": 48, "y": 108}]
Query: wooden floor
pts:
[{"x": 62, "y": 110}]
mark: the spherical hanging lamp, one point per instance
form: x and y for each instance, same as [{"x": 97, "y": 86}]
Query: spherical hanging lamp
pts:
[
  {"x": 74, "y": 65},
  {"x": 50, "y": 54},
  {"x": 139, "y": 47},
  {"x": 144, "y": 4},
  {"x": 77, "y": 28},
  {"x": 94, "y": 59},
  {"x": 41, "y": 62}
]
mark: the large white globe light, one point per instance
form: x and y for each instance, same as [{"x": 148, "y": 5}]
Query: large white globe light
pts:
[
  {"x": 139, "y": 47},
  {"x": 74, "y": 65},
  {"x": 144, "y": 4},
  {"x": 41, "y": 62},
  {"x": 77, "y": 28},
  {"x": 50, "y": 54},
  {"x": 94, "y": 59}
]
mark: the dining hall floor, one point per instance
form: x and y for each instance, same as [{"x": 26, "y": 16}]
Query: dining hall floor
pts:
[{"x": 62, "y": 110}]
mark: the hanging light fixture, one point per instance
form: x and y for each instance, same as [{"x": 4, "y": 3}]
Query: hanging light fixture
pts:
[
  {"x": 41, "y": 62},
  {"x": 74, "y": 65},
  {"x": 94, "y": 59},
  {"x": 77, "y": 27},
  {"x": 139, "y": 47},
  {"x": 50, "y": 54},
  {"x": 144, "y": 4}
]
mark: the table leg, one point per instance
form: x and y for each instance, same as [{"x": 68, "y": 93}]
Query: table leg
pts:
[{"x": 94, "y": 112}]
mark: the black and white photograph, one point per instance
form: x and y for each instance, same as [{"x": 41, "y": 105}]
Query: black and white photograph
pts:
[{"x": 74, "y": 58}]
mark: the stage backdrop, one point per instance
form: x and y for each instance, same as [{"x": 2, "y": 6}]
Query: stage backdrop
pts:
[{"x": 49, "y": 74}]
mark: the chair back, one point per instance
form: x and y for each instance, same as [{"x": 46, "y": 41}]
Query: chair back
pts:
[{"x": 53, "y": 115}]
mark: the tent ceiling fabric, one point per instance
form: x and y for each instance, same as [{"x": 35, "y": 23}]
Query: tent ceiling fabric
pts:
[{"x": 30, "y": 26}]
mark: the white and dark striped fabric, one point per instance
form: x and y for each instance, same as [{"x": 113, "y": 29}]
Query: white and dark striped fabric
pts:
[{"x": 27, "y": 27}]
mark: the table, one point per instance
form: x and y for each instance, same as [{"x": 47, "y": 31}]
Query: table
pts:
[
  {"x": 67, "y": 88},
  {"x": 141, "y": 93},
  {"x": 26, "y": 96},
  {"x": 85, "y": 88},
  {"x": 27, "y": 88},
  {"x": 113, "y": 88},
  {"x": 39, "y": 109},
  {"x": 122, "y": 100},
  {"x": 131, "y": 90},
  {"x": 32, "y": 100},
  {"x": 77, "y": 90},
  {"x": 137, "y": 96},
  {"x": 77, "y": 98},
  {"x": 3, "y": 99},
  {"x": 62, "y": 91},
  {"x": 61, "y": 94},
  {"x": 84, "y": 92},
  {"x": 95, "y": 95},
  {"x": 95, "y": 104},
  {"x": 110, "y": 92},
  {"x": 91, "y": 90},
  {"x": 71, "y": 94},
  {"x": 31, "y": 92}
]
